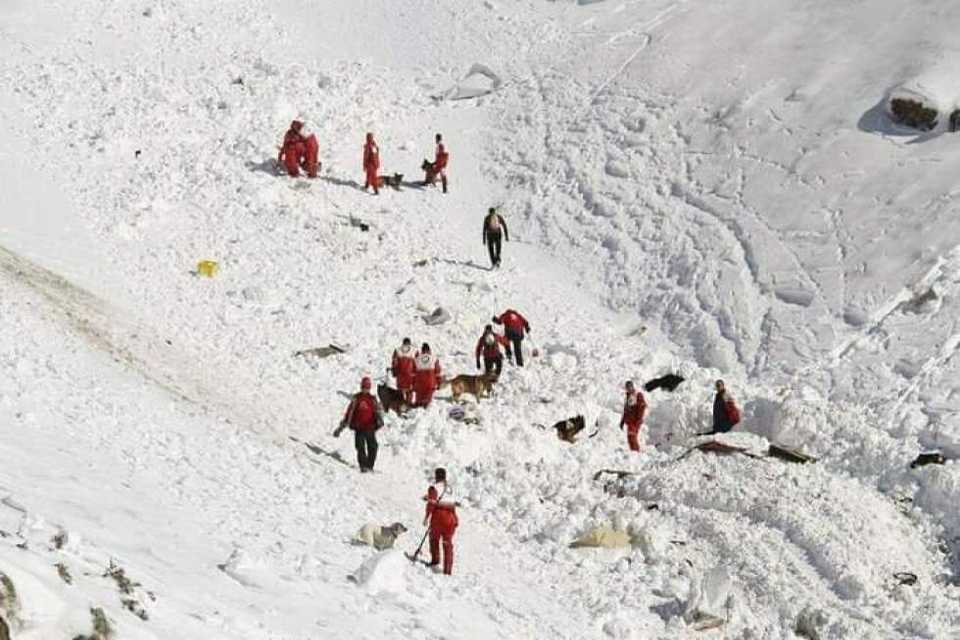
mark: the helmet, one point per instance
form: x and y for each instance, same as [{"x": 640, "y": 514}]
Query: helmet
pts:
[
  {"x": 406, "y": 341},
  {"x": 366, "y": 383}
]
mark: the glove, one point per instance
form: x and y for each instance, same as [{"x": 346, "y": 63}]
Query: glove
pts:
[
  {"x": 478, "y": 364},
  {"x": 621, "y": 426},
  {"x": 339, "y": 430}
]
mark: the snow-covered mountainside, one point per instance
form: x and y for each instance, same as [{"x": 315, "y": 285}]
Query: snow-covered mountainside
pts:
[{"x": 714, "y": 189}]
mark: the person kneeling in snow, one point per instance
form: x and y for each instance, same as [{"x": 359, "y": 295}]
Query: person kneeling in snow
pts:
[
  {"x": 726, "y": 415},
  {"x": 442, "y": 517},
  {"x": 364, "y": 415},
  {"x": 299, "y": 151},
  {"x": 634, "y": 406}
]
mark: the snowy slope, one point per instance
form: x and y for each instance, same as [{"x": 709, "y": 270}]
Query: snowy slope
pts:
[{"x": 717, "y": 174}]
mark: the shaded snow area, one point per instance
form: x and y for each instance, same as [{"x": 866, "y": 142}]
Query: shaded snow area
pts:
[{"x": 712, "y": 189}]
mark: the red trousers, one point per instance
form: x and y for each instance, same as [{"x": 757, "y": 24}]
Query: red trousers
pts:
[
  {"x": 633, "y": 432},
  {"x": 371, "y": 179},
  {"x": 423, "y": 393},
  {"x": 443, "y": 524},
  {"x": 302, "y": 155}
]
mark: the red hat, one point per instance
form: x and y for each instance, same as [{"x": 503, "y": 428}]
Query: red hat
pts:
[
  {"x": 296, "y": 125},
  {"x": 366, "y": 383}
]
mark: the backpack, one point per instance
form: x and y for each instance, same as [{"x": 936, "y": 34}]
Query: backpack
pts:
[
  {"x": 364, "y": 411},
  {"x": 733, "y": 413}
]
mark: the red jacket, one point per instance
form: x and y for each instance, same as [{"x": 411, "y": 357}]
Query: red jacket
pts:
[
  {"x": 427, "y": 374},
  {"x": 371, "y": 156},
  {"x": 491, "y": 350},
  {"x": 404, "y": 366},
  {"x": 513, "y": 322},
  {"x": 441, "y": 507},
  {"x": 634, "y": 408},
  {"x": 290, "y": 141},
  {"x": 440, "y": 158},
  {"x": 364, "y": 413}
]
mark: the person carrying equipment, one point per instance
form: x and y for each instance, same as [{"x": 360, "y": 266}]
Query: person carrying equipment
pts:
[
  {"x": 364, "y": 416},
  {"x": 489, "y": 347},
  {"x": 494, "y": 228},
  {"x": 441, "y": 514}
]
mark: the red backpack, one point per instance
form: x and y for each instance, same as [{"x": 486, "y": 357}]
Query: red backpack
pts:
[{"x": 733, "y": 413}]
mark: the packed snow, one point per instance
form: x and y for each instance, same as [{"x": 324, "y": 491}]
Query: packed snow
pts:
[{"x": 710, "y": 189}]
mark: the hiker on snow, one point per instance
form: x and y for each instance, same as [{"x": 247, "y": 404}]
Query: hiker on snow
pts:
[
  {"x": 438, "y": 166},
  {"x": 515, "y": 326},
  {"x": 442, "y": 517},
  {"x": 426, "y": 378},
  {"x": 493, "y": 226},
  {"x": 725, "y": 412},
  {"x": 299, "y": 151},
  {"x": 403, "y": 367},
  {"x": 634, "y": 407},
  {"x": 371, "y": 163},
  {"x": 489, "y": 346},
  {"x": 364, "y": 416}
]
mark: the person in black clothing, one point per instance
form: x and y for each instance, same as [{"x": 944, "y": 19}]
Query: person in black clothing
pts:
[
  {"x": 494, "y": 227},
  {"x": 725, "y": 413}
]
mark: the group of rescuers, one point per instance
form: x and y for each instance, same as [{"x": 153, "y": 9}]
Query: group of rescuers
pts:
[
  {"x": 418, "y": 373},
  {"x": 418, "y": 376}
]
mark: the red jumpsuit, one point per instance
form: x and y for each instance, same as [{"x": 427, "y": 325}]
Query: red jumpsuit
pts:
[
  {"x": 442, "y": 513},
  {"x": 404, "y": 368},
  {"x": 426, "y": 378},
  {"x": 634, "y": 407},
  {"x": 440, "y": 159},
  {"x": 299, "y": 151},
  {"x": 371, "y": 163}
]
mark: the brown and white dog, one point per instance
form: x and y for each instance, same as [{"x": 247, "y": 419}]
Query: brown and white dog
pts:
[{"x": 479, "y": 386}]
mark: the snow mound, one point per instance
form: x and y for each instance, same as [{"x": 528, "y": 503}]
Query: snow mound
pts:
[
  {"x": 382, "y": 573},
  {"x": 479, "y": 81},
  {"x": 927, "y": 101}
]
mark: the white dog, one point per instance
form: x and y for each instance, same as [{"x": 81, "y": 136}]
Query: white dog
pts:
[{"x": 379, "y": 537}]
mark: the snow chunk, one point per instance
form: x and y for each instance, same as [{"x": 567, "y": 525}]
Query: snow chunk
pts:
[
  {"x": 382, "y": 573},
  {"x": 479, "y": 81}
]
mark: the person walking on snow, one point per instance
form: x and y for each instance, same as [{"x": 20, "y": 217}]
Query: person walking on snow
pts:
[
  {"x": 726, "y": 415},
  {"x": 494, "y": 227},
  {"x": 426, "y": 378},
  {"x": 299, "y": 151},
  {"x": 440, "y": 160},
  {"x": 634, "y": 407},
  {"x": 403, "y": 367},
  {"x": 516, "y": 327},
  {"x": 489, "y": 346},
  {"x": 371, "y": 164},
  {"x": 441, "y": 514},
  {"x": 364, "y": 416}
]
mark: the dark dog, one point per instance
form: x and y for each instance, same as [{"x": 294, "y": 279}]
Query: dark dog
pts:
[
  {"x": 390, "y": 181},
  {"x": 430, "y": 174},
  {"x": 568, "y": 429},
  {"x": 391, "y": 399}
]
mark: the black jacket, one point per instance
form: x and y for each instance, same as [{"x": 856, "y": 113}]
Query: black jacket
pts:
[{"x": 489, "y": 230}]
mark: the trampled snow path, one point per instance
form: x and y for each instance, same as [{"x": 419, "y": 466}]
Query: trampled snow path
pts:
[{"x": 632, "y": 205}]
